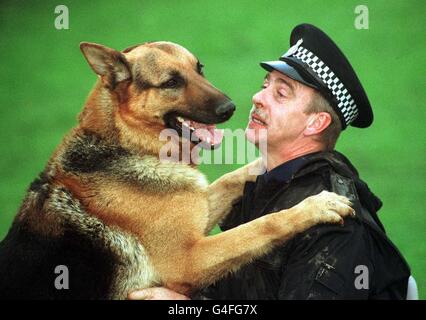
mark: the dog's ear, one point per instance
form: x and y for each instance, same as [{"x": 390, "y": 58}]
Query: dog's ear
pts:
[{"x": 110, "y": 64}]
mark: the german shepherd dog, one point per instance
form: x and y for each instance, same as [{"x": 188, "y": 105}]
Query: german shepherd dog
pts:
[{"x": 117, "y": 217}]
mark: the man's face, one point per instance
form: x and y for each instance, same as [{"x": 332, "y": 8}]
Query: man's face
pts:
[{"x": 279, "y": 108}]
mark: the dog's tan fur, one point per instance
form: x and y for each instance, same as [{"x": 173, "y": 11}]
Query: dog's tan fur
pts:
[{"x": 155, "y": 216}]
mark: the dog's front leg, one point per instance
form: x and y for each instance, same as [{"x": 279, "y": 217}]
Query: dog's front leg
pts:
[
  {"x": 212, "y": 257},
  {"x": 228, "y": 189}
]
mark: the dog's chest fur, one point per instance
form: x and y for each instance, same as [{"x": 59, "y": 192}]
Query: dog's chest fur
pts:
[
  {"x": 87, "y": 154},
  {"x": 90, "y": 154}
]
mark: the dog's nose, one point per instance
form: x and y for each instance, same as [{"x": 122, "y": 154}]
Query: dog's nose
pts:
[{"x": 225, "y": 109}]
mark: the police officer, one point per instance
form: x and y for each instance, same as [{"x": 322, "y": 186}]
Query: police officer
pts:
[{"x": 308, "y": 97}]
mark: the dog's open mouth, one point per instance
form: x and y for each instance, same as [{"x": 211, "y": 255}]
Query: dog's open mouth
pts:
[{"x": 205, "y": 135}]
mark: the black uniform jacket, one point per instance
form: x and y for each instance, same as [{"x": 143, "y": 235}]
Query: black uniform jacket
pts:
[{"x": 356, "y": 261}]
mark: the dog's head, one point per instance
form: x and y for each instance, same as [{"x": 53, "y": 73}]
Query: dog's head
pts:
[{"x": 155, "y": 86}]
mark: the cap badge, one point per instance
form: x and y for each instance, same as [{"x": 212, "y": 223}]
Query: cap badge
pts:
[{"x": 293, "y": 49}]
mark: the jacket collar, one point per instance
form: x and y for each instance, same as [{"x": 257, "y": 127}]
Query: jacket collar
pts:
[
  {"x": 332, "y": 158},
  {"x": 286, "y": 171}
]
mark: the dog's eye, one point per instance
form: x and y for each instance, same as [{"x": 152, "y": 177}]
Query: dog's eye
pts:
[{"x": 172, "y": 83}]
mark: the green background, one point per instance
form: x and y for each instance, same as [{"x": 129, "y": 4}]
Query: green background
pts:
[{"x": 45, "y": 80}]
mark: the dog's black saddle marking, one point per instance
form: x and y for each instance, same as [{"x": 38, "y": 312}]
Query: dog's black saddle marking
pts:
[{"x": 90, "y": 153}]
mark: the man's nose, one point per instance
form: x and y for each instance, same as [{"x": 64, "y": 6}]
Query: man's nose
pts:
[
  {"x": 257, "y": 98},
  {"x": 226, "y": 109}
]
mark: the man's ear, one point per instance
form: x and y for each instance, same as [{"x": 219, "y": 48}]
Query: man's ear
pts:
[
  {"x": 108, "y": 63},
  {"x": 317, "y": 123}
]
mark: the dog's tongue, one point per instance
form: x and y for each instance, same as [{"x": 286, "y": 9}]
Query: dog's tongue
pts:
[{"x": 208, "y": 133}]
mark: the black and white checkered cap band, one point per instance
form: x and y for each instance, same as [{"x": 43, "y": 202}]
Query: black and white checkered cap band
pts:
[{"x": 346, "y": 103}]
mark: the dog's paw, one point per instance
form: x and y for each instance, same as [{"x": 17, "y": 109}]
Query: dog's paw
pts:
[{"x": 327, "y": 207}]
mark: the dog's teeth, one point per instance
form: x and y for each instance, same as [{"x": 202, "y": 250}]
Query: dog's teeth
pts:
[
  {"x": 208, "y": 139},
  {"x": 192, "y": 128}
]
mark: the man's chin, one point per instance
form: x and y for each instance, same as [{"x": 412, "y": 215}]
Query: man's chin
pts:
[
  {"x": 255, "y": 135},
  {"x": 252, "y": 136}
]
